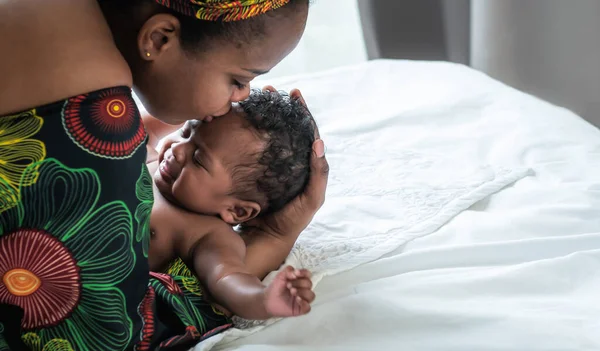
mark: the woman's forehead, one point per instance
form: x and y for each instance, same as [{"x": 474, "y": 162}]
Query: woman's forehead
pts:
[{"x": 280, "y": 36}]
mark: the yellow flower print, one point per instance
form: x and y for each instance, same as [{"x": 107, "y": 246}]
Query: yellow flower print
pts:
[
  {"x": 17, "y": 152},
  {"x": 32, "y": 340},
  {"x": 182, "y": 273}
]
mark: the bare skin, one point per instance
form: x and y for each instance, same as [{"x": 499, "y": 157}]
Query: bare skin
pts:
[
  {"x": 61, "y": 48},
  {"x": 267, "y": 244},
  {"x": 193, "y": 215},
  {"x": 217, "y": 255},
  {"x": 54, "y": 50}
]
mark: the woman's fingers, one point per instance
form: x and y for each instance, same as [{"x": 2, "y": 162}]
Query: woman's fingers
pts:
[
  {"x": 314, "y": 193},
  {"x": 296, "y": 94}
]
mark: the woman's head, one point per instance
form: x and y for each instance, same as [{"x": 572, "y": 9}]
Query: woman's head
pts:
[{"x": 185, "y": 68}]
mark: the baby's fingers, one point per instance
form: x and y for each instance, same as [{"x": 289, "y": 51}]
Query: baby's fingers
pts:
[
  {"x": 306, "y": 295},
  {"x": 297, "y": 273},
  {"x": 301, "y": 306},
  {"x": 303, "y": 273},
  {"x": 301, "y": 283},
  {"x": 290, "y": 273}
]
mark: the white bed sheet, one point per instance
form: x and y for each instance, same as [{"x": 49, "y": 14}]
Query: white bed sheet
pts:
[{"x": 519, "y": 270}]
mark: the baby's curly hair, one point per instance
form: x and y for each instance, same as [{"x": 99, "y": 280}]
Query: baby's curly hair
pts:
[{"x": 287, "y": 128}]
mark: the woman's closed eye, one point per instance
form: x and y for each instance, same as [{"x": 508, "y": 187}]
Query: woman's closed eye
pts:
[{"x": 240, "y": 85}]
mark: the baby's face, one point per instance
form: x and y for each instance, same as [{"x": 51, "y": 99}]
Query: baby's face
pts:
[{"x": 196, "y": 172}]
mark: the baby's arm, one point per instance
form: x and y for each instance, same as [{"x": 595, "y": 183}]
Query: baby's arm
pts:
[{"x": 218, "y": 261}]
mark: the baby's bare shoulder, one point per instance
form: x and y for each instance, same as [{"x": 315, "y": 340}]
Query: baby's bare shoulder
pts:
[
  {"x": 201, "y": 225},
  {"x": 199, "y": 232},
  {"x": 193, "y": 224},
  {"x": 197, "y": 223}
]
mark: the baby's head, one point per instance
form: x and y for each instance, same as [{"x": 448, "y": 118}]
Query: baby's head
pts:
[{"x": 251, "y": 161}]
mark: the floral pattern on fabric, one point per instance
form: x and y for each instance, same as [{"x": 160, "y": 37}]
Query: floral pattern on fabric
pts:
[
  {"x": 143, "y": 192},
  {"x": 73, "y": 201},
  {"x": 196, "y": 314},
  {"x": 147, "y": 313},
  {"x": 223, "y": 10},
  {"x": 34, "y": 342},
  {"x": 3, "y": 344},
  {"x": 106, "y": 123},
  {"x": 191, "y": 309},
  {"x": 17, "y": 152},
  {"x": 180, "y": 272},
  {"x": 60, "y": 267}
]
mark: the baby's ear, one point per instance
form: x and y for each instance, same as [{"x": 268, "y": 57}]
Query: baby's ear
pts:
[{"x": 240, "y": 211}]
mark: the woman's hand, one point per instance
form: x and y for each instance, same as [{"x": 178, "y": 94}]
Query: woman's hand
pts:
[{"x": 269, "y": 239}]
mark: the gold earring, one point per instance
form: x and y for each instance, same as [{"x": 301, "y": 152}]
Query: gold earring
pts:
[{"x": 147, "y": 54}]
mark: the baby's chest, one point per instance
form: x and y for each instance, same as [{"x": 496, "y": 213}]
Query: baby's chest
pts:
[{"x": 164, "y": 225}]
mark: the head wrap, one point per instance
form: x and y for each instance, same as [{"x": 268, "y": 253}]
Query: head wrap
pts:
[{"x": 222, "y": 10}]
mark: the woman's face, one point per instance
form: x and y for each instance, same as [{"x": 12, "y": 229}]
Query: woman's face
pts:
[{"x": 176, "y": 85}]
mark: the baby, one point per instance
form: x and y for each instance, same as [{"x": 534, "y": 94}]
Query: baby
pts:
[{"x": 247, "y": 163}]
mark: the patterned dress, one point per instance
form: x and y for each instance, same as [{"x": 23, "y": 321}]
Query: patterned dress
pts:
[{"x": 75, "y": 204}]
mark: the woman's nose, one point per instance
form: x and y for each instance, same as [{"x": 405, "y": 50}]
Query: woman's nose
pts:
[{"x": 224, "y": 110}]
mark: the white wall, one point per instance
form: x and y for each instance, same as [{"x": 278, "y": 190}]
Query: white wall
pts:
[
  {"x": 550, "y": 48},
  {"x": 333, "y": 37}
]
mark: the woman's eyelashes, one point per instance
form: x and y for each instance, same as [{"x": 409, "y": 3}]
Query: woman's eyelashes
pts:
[{"x": 239, "y": 84}]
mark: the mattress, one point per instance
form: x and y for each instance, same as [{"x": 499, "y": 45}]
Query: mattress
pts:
[{"x": 517, "y": 269}]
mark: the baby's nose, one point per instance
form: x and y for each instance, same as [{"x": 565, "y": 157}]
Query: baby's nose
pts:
[{"x": 178, "y": 151}]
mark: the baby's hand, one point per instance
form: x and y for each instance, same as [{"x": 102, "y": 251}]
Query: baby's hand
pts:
[{"x": 290, "y": 294}]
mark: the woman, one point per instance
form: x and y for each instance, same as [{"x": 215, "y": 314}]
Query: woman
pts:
[{"x": 75, "y": 196}]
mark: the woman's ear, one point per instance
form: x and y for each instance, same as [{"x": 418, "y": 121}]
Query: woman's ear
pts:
[
  {"x": 240, "y": 211},
  {"x": 160, "y": 33}
]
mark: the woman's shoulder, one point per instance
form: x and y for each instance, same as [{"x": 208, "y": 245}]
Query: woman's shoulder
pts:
[{"x": 53, "y": 50}]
